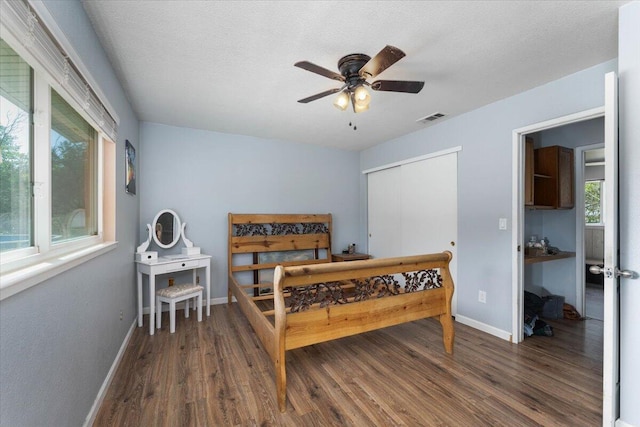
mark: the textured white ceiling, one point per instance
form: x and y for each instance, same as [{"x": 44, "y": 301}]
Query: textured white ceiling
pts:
[{"x": 227, "y": 66}]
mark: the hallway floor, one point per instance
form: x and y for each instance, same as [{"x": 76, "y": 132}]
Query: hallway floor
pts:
[{"x": 594, "y": 297}]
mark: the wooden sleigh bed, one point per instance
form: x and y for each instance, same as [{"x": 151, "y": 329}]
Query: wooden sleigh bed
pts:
[{"x": 281, "y": 274}]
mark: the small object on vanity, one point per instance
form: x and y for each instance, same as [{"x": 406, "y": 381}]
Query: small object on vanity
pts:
[
  {"x": 352, "y": 248},
  {"x": 191, "y": 251},
  {"x": 147, "y": 256}
]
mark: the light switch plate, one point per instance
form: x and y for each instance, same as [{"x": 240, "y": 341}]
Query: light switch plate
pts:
[{"x": 502, "y": 224}]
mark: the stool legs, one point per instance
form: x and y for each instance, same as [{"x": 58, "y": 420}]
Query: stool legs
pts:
[
  {"x": 158, "y": 313},
  {"x": 200, "y": 307},
  {"x": 197, "y": 303}
]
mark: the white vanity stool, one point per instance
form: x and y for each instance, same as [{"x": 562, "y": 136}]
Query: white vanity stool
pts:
[{"x": 174, "y": 294}]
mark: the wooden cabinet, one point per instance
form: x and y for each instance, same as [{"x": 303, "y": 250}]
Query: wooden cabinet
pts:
[{"x": 552, "y": 181}]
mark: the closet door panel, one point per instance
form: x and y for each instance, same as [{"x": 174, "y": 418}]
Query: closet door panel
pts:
[
  {"x": 429, "y": 205},
  {"x": 384, "y": 213}
]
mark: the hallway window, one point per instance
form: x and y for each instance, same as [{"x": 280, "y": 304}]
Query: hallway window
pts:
[{"x": 593, "y": 198}]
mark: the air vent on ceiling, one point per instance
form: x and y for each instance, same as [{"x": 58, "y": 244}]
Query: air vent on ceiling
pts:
[{"x": 430, "y": 118}]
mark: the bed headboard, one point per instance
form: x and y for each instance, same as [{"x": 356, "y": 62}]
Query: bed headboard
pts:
[{"x": 260, "y": 242}]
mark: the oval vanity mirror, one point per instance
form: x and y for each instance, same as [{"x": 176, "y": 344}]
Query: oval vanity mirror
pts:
[{"x": 166, "y": 228}]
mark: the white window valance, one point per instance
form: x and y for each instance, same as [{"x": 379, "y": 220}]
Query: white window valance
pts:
[{"x": 27, "y": 28}]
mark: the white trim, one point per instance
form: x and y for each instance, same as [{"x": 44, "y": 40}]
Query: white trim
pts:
[
  {"x": 505, "y": 335},
  {"x": 43, "y": 12},
  {"x": 620, "y": 423},
  {"x": 19, "y": 280},
  {"x": 413, "y": 159},
  {"x": 93, "y": 412},
  {"x": 564, "y": 120},
  {"x": 517, "y": 208}
]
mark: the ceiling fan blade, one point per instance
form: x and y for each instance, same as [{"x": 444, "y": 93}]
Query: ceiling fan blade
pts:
[
  {"x": 388, "y": 56},
  {"x": 397, "y": 86},
  {"x": 318, "y": 95},
  {"x": 306, "y": 65}
]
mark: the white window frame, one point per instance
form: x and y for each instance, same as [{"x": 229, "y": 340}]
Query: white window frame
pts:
[{"x": 23, "y": 268}]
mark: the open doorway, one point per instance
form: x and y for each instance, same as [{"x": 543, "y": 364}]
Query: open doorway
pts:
[
  {"x": 563, "y": 229},
  {"x": 571, "y": 157}
]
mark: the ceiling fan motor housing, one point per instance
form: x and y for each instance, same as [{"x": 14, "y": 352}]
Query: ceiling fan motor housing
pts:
[{"x": 350, "y": 66}]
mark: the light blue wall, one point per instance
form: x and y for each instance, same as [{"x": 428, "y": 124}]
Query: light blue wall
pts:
[
  {"x": 629, "y": 53},
  {"x": 485, "y": 180},
  {"x": 204, "y": 175},
  {"x": 58, "y": 339}
]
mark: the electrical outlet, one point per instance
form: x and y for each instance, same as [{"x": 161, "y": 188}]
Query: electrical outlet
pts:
[
  {"x": 502, "y": 223},
  {"x": 121, "y": 314},
  {"x": 482, "y": 296}
]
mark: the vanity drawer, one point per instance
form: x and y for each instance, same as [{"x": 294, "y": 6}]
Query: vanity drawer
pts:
[{"x": 181, "y": 265}]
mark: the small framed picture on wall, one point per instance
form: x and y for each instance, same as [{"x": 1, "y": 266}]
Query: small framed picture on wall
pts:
[{"x": 130, "y": 168}]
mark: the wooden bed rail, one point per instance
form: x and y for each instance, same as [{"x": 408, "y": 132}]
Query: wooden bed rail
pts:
[{"x": 332, "y": 321}]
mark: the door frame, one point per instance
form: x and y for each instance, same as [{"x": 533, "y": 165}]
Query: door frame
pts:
[{"x": 517, "y": 231}]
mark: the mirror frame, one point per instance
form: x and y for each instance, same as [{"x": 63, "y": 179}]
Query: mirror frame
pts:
[{"x": 177, "y": 229}]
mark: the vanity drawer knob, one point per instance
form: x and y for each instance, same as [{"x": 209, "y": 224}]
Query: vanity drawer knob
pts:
[{"x": 183, "y": 264}]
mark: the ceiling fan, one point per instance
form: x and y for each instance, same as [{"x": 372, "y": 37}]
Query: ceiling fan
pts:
[{"x": 355, "y": 69}]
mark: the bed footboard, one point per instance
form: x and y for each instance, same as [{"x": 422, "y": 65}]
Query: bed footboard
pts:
[{"x": 317, "y": 303}]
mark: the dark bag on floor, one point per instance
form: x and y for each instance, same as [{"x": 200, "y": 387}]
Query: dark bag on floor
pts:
[{"x": 542, "y": 328}]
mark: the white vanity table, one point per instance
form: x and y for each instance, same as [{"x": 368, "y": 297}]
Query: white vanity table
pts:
[
  {"x": 165, "y": 232},
  {"x": 170, "y": 264}
]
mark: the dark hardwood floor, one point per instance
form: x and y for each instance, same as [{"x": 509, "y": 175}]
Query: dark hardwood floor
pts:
[{"x": 216, "y": 373}]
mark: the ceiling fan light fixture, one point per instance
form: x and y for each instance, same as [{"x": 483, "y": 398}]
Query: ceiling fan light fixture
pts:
[
  {"x": 360, "y": 108},
  {"x": 362, "y": 97},
  {"x": 342, "y": 101}
]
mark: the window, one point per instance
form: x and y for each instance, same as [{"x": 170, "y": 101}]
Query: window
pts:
[
  {"x": 49, "y": 187},
  {"x": 593, "y": 202},
  {"x": 16, "y": 218},
  {"x": 73, "y": 173},
  {"x": 53, "y": 166}
]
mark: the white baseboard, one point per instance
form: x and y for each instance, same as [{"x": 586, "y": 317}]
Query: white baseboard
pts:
[
  {"x": 620, "y": 423},
  {"x": 484, "y": 327},
  {"x": 91, "y": 417}
]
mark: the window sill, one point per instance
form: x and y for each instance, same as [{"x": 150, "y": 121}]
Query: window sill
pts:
[{"x": 24, "y": 278}]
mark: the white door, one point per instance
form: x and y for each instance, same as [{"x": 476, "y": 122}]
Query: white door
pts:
[
  {"x": 413, "y": 209},
  {"x": 384, "y": 213},
  {"x": 610, "y": 376}
]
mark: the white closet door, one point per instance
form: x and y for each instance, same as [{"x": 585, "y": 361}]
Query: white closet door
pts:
[
  {"x": 413, "y": 209},
  {"x": 429, "y": 205},
  {"x": 384, "y": 204}
]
